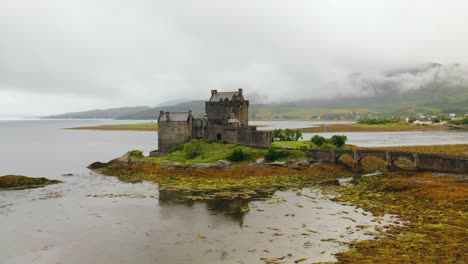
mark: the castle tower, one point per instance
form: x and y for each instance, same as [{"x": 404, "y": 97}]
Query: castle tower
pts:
[{"x": 227, "y": 107}]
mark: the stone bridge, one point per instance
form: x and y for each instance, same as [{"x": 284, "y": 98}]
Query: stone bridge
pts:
[{"x": 421, "y": 161}]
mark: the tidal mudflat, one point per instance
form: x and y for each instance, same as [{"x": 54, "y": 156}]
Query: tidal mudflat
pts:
[{"x": 93, "y": 218}]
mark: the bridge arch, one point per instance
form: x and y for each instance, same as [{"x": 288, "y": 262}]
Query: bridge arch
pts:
[{"x": 419, "y": 161}]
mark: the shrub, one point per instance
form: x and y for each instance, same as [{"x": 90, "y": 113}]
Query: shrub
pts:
[
  {"x": 338, "y": 141},
  {"x": 192, "y": 149},
  {"x": 460, "y": 121},
  {"x": 136, "y": 153},
  {"x": 237, "y": 154},
  {"x": 313, "y": 146},
  {"x": 275, "y": 154},
  {"x": 318, "y": 140}
]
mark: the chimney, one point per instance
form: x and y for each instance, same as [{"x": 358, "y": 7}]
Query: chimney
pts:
[
  {"x": 190, "y": 112},
  {"x": 214, "y": 92},
  {"x": 240, "y": 91},
  {"x": 168, "y": 116}
]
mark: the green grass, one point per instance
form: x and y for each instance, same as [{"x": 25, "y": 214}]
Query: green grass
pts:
[
  {"x": 136, "y": 127},
  {"x": 212, "y": 152},
  {"x": 292, "y": 144},
  {"x": 139, "y": 125}
]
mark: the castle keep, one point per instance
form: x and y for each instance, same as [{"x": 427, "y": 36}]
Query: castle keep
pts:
[{"x": 226, "y": 118}]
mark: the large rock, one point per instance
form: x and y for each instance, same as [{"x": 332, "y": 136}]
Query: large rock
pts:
[
  {"x": 124, "y": 160},
  {"x": 97, "y": 165},
  {"x": 225, "y": 163},
  {"x": 278, "y": 163}
]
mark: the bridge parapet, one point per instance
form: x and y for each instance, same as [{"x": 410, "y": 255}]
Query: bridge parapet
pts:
[{"x": 421, "y": 161}]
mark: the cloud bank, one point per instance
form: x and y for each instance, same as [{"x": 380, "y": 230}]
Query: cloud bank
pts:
[{"x": 58, "y": 56}]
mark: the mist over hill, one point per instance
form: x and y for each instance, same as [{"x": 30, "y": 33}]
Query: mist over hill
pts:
[
  {"x": 441, "y": 98},
  {"x": 404, "y": 91}
]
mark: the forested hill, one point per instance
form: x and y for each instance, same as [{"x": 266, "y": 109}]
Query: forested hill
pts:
[
  {"x": 197, "y": 107},
  {"x": 440, "y": 98},
  {"x": 111, "y": 113}
]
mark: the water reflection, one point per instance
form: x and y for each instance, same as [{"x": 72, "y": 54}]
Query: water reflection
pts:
[{"x": 231, "y": 202}]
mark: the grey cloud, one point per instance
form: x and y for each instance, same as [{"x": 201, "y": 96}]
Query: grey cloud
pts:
[{"x": 145, "y": 52}]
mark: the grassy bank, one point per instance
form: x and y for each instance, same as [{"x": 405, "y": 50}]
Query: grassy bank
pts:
[
  {"x": 131, "y": 127},
  {"x": 17, "y": 182},
  {"x": 212, "y": 151}
]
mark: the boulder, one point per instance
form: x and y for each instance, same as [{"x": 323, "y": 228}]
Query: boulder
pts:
[
  {"x": 224, "y": 163},
  {"x": 97, "y": 165},
  {"x": 278, "y": 163},
  {"x": 260, "y": 161}
]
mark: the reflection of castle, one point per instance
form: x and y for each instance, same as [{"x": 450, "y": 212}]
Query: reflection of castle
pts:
[{"x": 226, "y": 118}]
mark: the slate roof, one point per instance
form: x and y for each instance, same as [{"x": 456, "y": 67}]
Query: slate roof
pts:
[
  {"x": 175, "y": 116},
  {"x": 223, "y": 95}
]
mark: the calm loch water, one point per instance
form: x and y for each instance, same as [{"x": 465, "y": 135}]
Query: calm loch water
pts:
[{"x": 96, "y": 219}]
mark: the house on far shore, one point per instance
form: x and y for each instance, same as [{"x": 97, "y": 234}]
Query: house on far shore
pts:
[
  {"x": 226, "y": 119},
  {"x": 423, "y": 122}
]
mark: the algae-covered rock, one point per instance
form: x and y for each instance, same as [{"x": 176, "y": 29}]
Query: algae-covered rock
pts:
[
  {"x": 123, "y": 160},
  {"x": 18, "y": 182}
]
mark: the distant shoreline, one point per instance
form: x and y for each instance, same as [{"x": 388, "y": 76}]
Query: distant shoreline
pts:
[
  {"x": 336, "y": 128},
  {"x": 121, "y": 127}
]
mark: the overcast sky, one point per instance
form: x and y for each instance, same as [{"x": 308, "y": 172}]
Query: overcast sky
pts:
[{"x": 72, "y": 55}]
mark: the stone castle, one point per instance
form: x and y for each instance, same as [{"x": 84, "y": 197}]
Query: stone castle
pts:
[{"x": 226, "y": 119}]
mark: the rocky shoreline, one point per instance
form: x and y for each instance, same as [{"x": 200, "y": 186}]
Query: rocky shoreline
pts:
[
  {"x": 430, "y": 205},
  {"x": 220, "y": 164}
]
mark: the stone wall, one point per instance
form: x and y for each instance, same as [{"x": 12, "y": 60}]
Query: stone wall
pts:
[
  {"x": 173, "y": 133},
  {"x": 442, "y": 163},
  {"x": 220, "y": 112},
  {"x": 245, "y": 135},
  {"x": 421, "y": 161}
]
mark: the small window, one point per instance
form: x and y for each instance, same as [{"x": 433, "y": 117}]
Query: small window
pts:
[{"x": 218, "y": 136}]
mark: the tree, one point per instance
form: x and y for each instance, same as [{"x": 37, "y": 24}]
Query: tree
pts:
[
  {"x": 278, "y": 134},
  {"x": 298, "y": 135},
  {"x": 338, "y": 141},
  {"x": 318, "y": 140}
]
